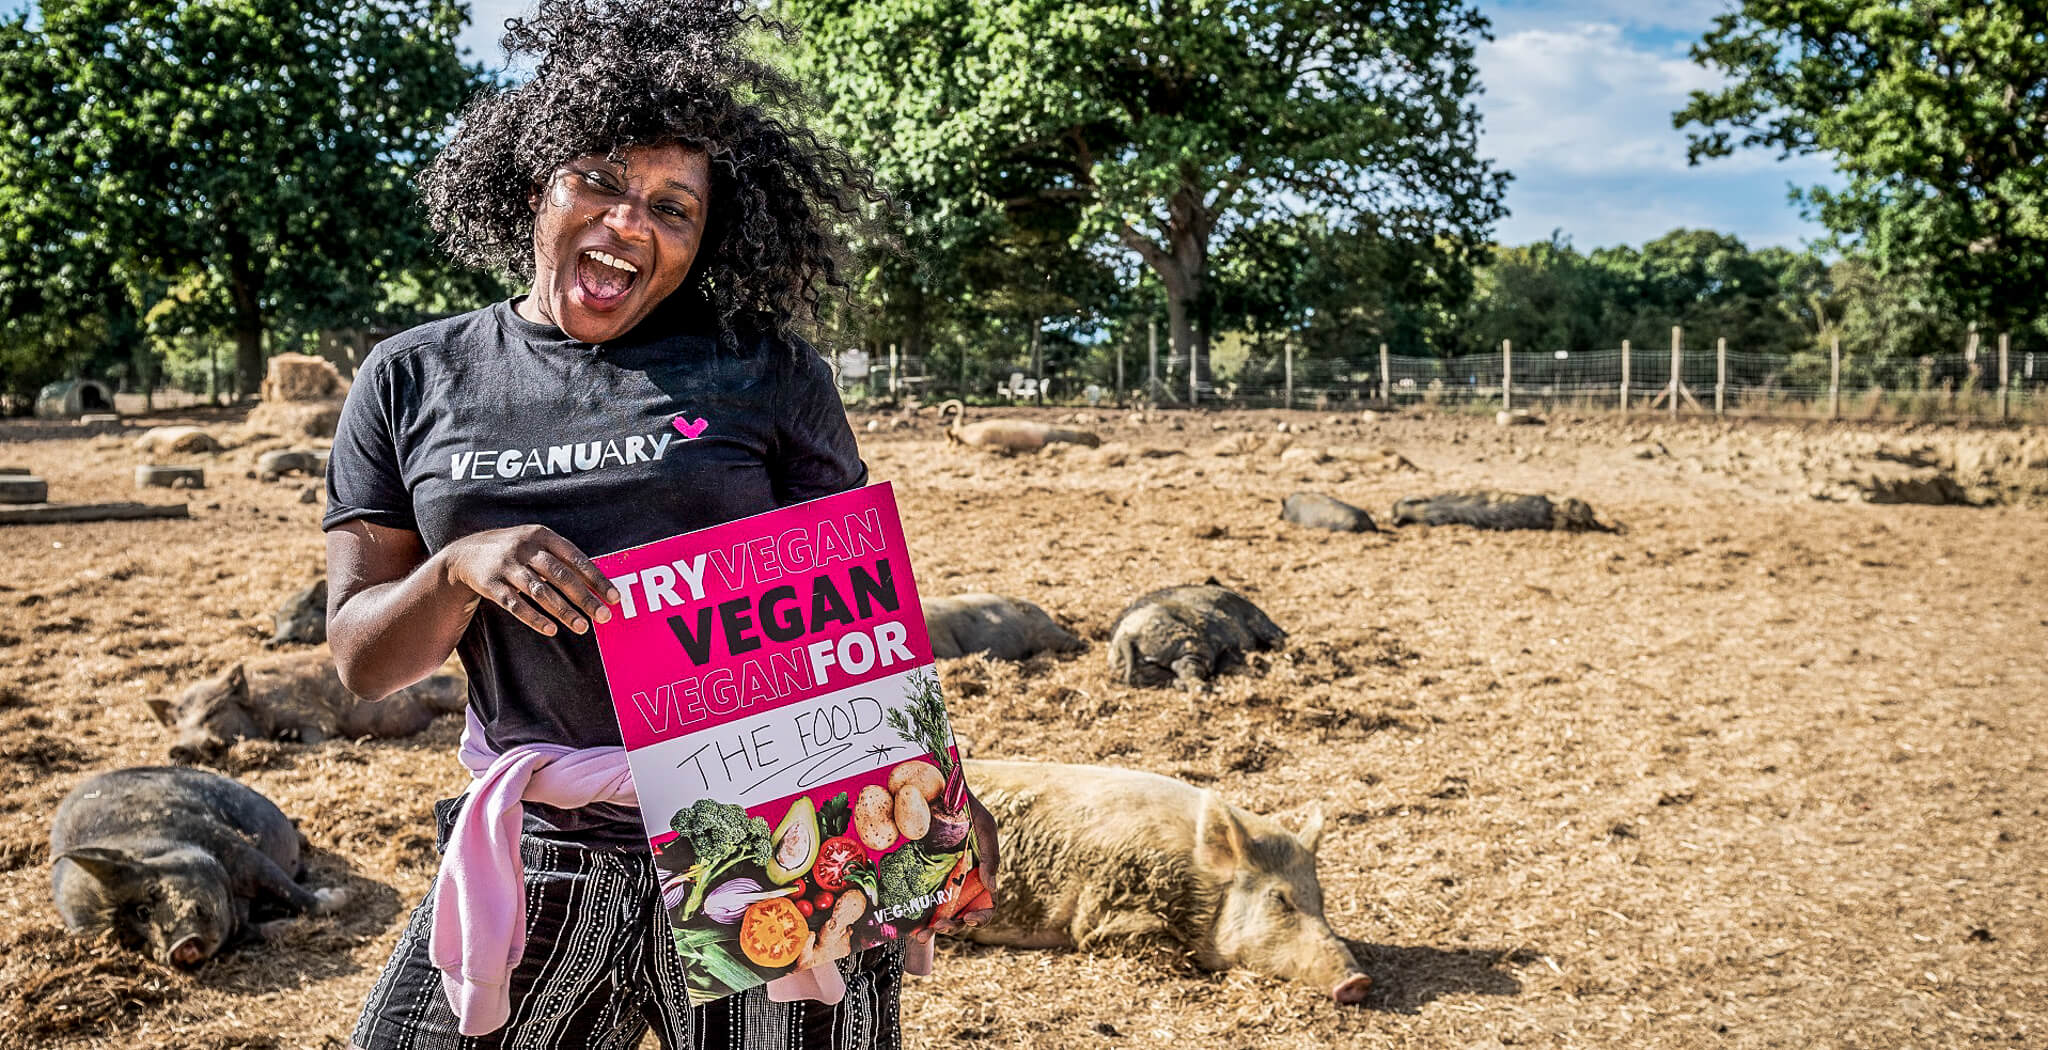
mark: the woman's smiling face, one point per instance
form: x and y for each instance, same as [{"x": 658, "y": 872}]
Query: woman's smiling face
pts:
[{"x": 613, "y": 238}]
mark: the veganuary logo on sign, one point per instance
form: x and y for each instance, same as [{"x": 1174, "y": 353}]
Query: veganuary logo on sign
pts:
[{"x": 691, "y": 429}]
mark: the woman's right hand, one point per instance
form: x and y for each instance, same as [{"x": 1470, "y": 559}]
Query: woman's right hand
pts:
[{"x": 533, "y": 573}]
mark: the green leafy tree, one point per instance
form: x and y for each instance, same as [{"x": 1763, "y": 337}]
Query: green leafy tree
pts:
[
  {"x": 1170, "y": 125},
  {"x": 1935, "y": 112},
  {"x": 66, "y": 309},
  {"x": 267, "y": 144},
  {"x": 1709, "y": 283},
  {"x": 1546, "y": 297}
]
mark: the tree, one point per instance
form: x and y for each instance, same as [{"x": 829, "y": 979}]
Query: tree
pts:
[
  {"x": 66, "y": 309},
  {"x": 265, "y": 145},
  {"x": 1171, "y": 124},
  {"x": 1935, "y": 110}
]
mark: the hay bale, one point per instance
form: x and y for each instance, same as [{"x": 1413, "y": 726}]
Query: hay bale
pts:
[
  {"x": 182, "y": 440},
  {"x": 296, "y": 419},
  {"x": 302, "y": 377}
]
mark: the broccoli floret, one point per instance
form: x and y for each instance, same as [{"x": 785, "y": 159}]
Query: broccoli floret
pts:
[
  {"x": 719, "y": 835},
  {"x": 910, "y": 873}
]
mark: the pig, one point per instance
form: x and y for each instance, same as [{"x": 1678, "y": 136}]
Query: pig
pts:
[
  {"x": 176, "y": 862},
  {"x": 1093, "y": 856},
  {"x": 1317, "y": 511},
  {"x": 1186, "y": 634},
  {"x": 1005, "y": 628},
  {"x": 302, "y": 619},
  {"x": 296, "y": 697},
  {"x": 1489, "y": 509},
  {"x": 273, "y": 465},
  {"x": 1010, "y": 435}
]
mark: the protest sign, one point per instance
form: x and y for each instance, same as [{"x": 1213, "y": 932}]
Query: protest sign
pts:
[{"x": 781, "y": 713}]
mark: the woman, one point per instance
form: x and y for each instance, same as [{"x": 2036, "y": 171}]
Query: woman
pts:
[{"x": 647, "y": 385}]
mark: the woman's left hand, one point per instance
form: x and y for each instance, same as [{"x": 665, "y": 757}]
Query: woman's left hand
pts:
[{"x": 988, "y": 851}]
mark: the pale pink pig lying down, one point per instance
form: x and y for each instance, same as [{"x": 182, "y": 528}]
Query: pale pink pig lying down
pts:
[{"x": 1094, "y": 855}]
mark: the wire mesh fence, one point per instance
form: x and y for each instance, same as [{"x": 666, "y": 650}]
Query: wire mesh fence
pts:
[{"x": 1713, "y": 380}]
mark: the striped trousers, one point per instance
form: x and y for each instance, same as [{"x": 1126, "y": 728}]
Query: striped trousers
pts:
[{"x": 600, "y": 971}]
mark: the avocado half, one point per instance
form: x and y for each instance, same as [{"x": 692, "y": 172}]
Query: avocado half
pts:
[{"x": 794, "y": 844}]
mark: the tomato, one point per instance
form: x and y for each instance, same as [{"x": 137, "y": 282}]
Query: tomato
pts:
[
  {"x": 824, "y": 899},
  {"x": 835, "y": 856},
  {"x": 799, "y": 887},
  {"x": 773, "y": 932},
  {"x": 806, "y": 907}
]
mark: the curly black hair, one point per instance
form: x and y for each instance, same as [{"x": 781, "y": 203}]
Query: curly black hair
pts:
[{"x": 612, "y": 74}]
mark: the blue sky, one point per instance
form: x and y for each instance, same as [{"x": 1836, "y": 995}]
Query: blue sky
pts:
[{"x": 1578, "y": 104}]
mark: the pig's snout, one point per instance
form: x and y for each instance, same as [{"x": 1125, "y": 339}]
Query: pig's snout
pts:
[
  {"x": 193, "y": 750},
  {"x": 1351, "y": 990},
  {"x": 188, "y": 953}
]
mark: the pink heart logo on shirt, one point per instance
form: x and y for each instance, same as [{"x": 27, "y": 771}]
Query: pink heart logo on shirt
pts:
[{"x": 691, "y": 429}]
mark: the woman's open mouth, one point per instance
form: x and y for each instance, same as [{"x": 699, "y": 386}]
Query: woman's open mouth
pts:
[{"x": 605, "y": 278}]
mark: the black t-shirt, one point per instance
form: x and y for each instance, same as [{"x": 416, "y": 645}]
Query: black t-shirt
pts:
[{"x": 488, "y": 420}]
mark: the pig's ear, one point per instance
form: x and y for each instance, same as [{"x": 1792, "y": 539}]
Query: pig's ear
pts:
[
  {"x": 1221, "y": 841},
  {"x": 1312, "y": 832},
  {"x": 159, "y": 709},
  {"x": 237, "y": 682},
  {"x": 109, "y": 866}
]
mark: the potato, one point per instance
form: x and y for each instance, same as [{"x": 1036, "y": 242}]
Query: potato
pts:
[
  {"x": 913, "y": 816},
  {"x": 926, "y": 776},
  {"x": 873, "y": 819}
]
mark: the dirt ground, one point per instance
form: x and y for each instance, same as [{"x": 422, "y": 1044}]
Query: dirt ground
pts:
[{"x": 1764, "y": 770}]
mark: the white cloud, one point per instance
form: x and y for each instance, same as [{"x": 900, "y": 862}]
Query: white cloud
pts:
[
  {"x": 1582, "y": 99},
  {"x": 1580, "y": 114}
]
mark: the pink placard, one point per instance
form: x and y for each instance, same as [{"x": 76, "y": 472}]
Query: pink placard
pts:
[{"x": 781, "y": 712}]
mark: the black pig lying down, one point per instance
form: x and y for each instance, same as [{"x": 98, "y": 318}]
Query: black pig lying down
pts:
[
  {"x": 1186, "y": 634},
  {"x": 176, "y": 862},
  {"x": 1490, "y": 509},
  {"x": 1004, "y": 628}
]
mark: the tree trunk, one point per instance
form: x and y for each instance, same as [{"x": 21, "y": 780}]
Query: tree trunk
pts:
[
  {"x": 246, "y": 293},
  {"x": 1182, "y": 265}
]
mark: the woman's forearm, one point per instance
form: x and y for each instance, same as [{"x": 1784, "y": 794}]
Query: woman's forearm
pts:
[{"x": 389, "y": 635}]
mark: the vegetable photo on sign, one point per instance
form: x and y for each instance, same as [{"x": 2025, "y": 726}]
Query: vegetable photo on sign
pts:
[{"x": 789, "y": 741}]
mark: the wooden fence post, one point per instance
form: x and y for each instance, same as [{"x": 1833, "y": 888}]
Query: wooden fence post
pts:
[
  {"x": 1624, "y": 377},
  {"x": 1194, "y": 372},
  {"x": 1287, "y": 349},
  {"x": 894, "y": 364},
  {"x": 1121, "y": 346},
  {"x": 1507, "y": 376},
  {"x": 1835, "y": 377},
  {"x": 1386, "y": 378},
  {"x": 2004, "y": 375},
  {"x": 1677, "y": 365},
  {"x": 1152, "y": 365},
  {"x": 1720, "y": 373}
]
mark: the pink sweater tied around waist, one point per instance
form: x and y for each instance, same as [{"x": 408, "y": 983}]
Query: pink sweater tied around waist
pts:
[{"x": 479, "y": 928}]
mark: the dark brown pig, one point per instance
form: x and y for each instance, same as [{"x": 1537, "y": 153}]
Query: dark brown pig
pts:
[
  {"x": 302, "y": 619},
  {"x": 297, "y": 697},
  {"x": 176, "y": 862},
  {"x": 1186, "y": 634},
  {"x": 1005, "y": 628},
  {"x": 1094, "y": 856},
  {"x": 1489, "y": 509}
]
